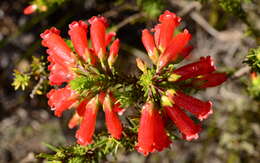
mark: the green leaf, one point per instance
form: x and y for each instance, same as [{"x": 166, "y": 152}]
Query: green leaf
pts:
[{"x": 253, "y": 59}]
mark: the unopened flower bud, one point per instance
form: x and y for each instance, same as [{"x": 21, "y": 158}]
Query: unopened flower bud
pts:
[{"x": 141, "y": 64}]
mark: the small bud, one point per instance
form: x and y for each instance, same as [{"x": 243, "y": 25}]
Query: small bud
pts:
[
  {"x": 113, "y": 53},
  {"x": 141, "y": 64},
  {"x": 30, "y": 9},
  {"x": 173, "y": 77},
  {"x": 149, "y": 45},
  {"x": 166, "y": 101}
]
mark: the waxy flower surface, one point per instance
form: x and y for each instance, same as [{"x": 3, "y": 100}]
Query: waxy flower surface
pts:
[
  {"x": 85, "y": 63},
  {"x": 86, "y": 79},
  {"x": 165, "y": 85}
]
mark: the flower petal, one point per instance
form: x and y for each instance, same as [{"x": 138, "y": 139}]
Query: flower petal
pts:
[
  {"x": 113, "y": 122},
  {"x": 197, "y": 107},
  {"x": 58, "y": 46},
  {"x": 202, "y": 67},
  {"x": 114, "y": 48},
  {"x": 74, "y": 121},
  {"x": 186, "y": 126},
  {"x": 149, "y": 44},
  {"x": 78, "y": 36},
  {"x": 176, "y": 46},
  {"x": 146, "y": 130},
  {"x": 161, "y": 140},
  {"x": 61, "y": 99},
  {"x": 209, "y": 80},
  {"x": 169, "y": 21},
  {"x": 87, "y": 127},
  {"x": 59, "y": 75},
  {"x": 98, "y": 35},
  {"x": 82, "y": 107}
]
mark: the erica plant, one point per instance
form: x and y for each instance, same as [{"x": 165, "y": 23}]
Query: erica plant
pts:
[{"x": 85, "y": 78}]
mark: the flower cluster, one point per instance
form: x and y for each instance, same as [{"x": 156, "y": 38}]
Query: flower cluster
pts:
[
  {"x": 67, "y": 65},
  {"x": 167, "y": 84},
  {"x": 87, "y": 80}
]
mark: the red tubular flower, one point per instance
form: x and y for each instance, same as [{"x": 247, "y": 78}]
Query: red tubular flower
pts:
[
  {"x": 146, "y": 130},
  {"x": 209, "y": 80},
  {"x": 149, "y": 44},
  {"x": 98, "y": 36},
  {"x": 157, "y": 31},
  {"x": 78, "y": 35},
  {"x": 175, "y": 47},
  {"x": 113, "y": 122},
  {"x": 87, "y": 127},
  {"x": 60, "y": 51},
  {"x": 169, "y": 21},
  {"x": 30, "y": 9},
  {"x": 186, "y": 52},
  {"x": 74, "y": 121},
  {"x": 109, "y": 37},
  {"x": 160, "y": 137},
  {"x": 198, "y": 108},
  {"x": 202, "y": 67},
  {"x": 186, "y": 126},
  {"x": 82, "y": 107},
  {"x": 59, "y": 74},
  {"x": 101, "y": 97},
  {"x": 151, "y": 133},
  {"x": 61, "y": 99},
  {"x": 114, "y": 48},
  {"x": 117, "y": 106}
]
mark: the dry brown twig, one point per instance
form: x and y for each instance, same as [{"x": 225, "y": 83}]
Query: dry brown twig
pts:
[{"x": 193, "y": 8}]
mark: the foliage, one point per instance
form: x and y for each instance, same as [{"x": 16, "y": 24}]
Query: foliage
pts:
[
  {"x": 124, "y": 92},
  {"x": 253, "y": 59},
  {"x": 97, "y": 151},
  {"x": 20, "y": 80},
  {"x": 45, "y": 5},
  {"x": 36, "y": 73},
  {"x": 151, "y": 7}
]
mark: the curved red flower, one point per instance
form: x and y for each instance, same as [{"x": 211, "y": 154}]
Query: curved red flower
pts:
[
  {"x": 202, "y": 67},
  {"x": 113, "y": 122},
  {"x": 149, "y": 44},
  {"x": 113, "y": 53},
  {"x": 87, "y": 127},
  {"x": 197, "y": 107},
  {"x": 174, "y": 49},
  {"x": 209, "y": 80},
  {"x": 186, "y": 126},
  {"x": 169, "y": 21},
  {"x": 60, "y": 52},
  {"x": 61, "y": 99},
  {"x": 151, "y": 133},
  {"x": 78, "y": 36},
  {"x": 98, "y": 35}
]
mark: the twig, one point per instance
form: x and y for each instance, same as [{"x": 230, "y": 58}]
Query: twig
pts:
[
  {"x": 128, "y": 20},
  {"x": 136, "y": 52},
  {"x": 42, "y": 78},
  {"x": 195, "y": 15},
  {"x": 187, "y": 8},
  {"x": 242, "y": 71},
  {"x": 115, "y": 11},
  {"x": 204, "y": 24}
]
